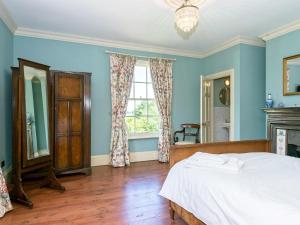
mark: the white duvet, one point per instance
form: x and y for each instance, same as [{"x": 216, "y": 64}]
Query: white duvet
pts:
[{"x": 266, "y": 191}]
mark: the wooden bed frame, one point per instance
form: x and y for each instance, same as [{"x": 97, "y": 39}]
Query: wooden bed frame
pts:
[{"x": 180, "y": 152}]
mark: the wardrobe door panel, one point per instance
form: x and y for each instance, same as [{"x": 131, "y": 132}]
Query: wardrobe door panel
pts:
[
  {"x": 75, "y": 134},
  {"x": 62, "y": 153},
  {"x": 76, "y": 117},
  {"x": 76, "y": 150},
  {"x": 62, "y": 117},
  {"x": 69, "y": 86},
  {"x": 72, "y": 122}
]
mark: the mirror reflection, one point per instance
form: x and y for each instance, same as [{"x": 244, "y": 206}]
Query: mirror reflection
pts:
[
  {"x": 36, "y": 112},
  {"x": 293, "y": 75},
  {"x": 224, "y": 95}
]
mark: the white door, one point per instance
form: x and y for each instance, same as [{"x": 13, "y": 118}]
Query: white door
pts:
[{"x": 206, "y": 110}]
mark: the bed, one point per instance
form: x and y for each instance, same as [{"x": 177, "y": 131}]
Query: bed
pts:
[{"x": 265, "y": 191}]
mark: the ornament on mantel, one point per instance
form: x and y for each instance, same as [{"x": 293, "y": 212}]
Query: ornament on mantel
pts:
[{"x": 269, "y": 101}]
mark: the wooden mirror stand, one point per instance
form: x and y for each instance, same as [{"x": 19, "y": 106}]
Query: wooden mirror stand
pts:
[{"x": 32, "y": 129}]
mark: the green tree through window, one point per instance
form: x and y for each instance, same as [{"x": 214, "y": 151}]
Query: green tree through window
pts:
[{"x": 142, "y": 114}]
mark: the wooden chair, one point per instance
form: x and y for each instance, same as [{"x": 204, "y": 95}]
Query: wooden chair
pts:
[{"x": 189, "y": 126}]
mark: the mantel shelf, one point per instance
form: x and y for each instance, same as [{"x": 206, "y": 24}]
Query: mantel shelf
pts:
[{"x": 286, "y": 110}]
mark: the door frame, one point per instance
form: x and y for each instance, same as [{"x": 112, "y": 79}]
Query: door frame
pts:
[
  {"x": 203, "y": 102},
  {"x": 225, "y": 73}
]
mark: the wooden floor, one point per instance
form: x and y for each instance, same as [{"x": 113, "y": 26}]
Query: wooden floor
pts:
[{"x": 109, "y": 196}]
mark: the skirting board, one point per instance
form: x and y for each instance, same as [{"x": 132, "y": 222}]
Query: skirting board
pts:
[{"x": 101, "y": 160}]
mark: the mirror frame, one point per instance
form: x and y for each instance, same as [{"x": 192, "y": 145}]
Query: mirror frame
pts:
[
  {"x": 47, "y": 158},
  {"x": 284, "y": 67}
]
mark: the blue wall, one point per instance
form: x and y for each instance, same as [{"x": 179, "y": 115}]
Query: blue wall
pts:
[
  {"x": 88, "y": 58},
  {"x": 252, "y": 88},
  {"x": 226, "y": 60},
  {"x": 276, "y": 50},
  {"x": 248, "y": 63},
  {"x": 6, "y": 60}
]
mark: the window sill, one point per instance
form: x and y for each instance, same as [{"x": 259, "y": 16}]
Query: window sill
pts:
[{"x": 143, "y": 136}]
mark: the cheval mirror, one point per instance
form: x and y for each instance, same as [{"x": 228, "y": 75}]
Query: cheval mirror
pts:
[{"x": 32, "y": 128}]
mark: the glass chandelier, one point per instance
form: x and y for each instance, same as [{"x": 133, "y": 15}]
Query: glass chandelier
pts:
[{"x": 187, "y": 16}]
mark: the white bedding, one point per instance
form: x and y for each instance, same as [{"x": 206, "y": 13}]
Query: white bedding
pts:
[{"x": 266, "y": 191}]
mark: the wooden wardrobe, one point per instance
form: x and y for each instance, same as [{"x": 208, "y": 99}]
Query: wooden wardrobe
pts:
[{"x": 72, "y": 122}]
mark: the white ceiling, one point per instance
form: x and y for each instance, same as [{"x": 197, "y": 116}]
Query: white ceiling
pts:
[{"x": 151, "y": 22}]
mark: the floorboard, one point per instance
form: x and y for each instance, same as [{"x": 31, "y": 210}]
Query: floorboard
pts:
[{"x": 110, "y": 196}]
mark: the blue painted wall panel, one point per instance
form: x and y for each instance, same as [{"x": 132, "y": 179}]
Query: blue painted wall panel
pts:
[
  {"x": 248, "y": 63},
  {"x": 252, "y": 86},
  {"x": 226, "y": 60},
  {"x": 6, "y": 60},
  {"x": 276, "y": 50},
  {"x": 88, "y": 58}
]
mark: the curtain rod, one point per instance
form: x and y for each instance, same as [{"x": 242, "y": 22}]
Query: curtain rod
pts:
[{"x": 138, "y": 56}]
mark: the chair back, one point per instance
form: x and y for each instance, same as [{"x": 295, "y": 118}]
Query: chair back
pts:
[{"x": 188, "y": 130}]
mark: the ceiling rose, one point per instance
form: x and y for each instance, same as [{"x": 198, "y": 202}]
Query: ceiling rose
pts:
[{"x": 177, "y": 3}]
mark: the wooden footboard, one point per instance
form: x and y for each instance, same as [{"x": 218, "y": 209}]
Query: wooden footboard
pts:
[
  {"x": 180, "y": 152},
  {"x": 188, "y": 217}
]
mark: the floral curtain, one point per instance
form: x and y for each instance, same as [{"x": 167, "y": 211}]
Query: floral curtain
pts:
[
  {"x": 5, "y": 204},
  {"x": 121, "y": 69},
  {"x": 161, "y": 73}
]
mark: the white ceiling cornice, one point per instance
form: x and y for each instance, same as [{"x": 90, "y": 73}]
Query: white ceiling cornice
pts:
[
  {"x": 170, "y": 48},
  {"x": 137, "y": 47},
  {"x": 281, "y": 31},
  {"x": 102, "y": 42},
  {"x": 235, "y": 41},
  {"x": 6, "y": 18}
]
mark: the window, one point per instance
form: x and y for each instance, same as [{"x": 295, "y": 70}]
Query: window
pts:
[{"x": 142, "y": 116}]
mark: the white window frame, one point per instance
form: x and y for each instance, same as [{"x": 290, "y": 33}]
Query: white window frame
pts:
[{"x": 144, "y": 135}]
